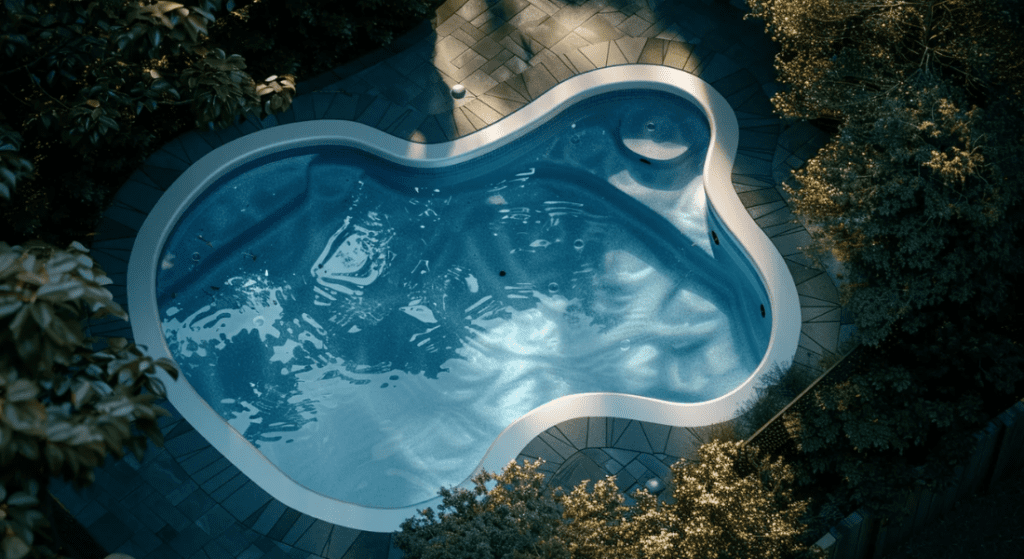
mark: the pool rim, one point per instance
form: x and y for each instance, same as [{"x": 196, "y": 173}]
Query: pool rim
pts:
[{"x": 776, "y": 278}]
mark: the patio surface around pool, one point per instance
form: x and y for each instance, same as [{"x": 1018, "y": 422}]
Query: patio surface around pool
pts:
[{"x": 186, "y": 501}]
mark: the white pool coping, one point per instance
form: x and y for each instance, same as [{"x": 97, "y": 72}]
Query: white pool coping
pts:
[{"x": 769, "y": 264}]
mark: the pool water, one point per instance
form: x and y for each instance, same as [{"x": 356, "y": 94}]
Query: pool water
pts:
[{"x": 372, "y": 328}]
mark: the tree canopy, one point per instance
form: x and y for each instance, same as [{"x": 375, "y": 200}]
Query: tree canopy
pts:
[
  {"x": 731, "y": 503},
  {"x": 918, "y": 194},
  {"x": 63, "y": 404}
]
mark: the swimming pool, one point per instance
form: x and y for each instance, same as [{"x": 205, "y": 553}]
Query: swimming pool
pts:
[{"x": 567, "y": 269}]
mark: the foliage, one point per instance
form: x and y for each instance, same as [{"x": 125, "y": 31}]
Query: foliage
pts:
[
  {"x": 919, "y": 195},
  {"x": 80, "y": 81},
  {"x": 780, "y": 386},
  {"x": 63, "y": 405},
  {"x": 730, "y": 504},
  {"x": 311, "y": 35}
]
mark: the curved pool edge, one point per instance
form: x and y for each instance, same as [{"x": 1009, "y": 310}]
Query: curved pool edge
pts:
[{"x": 770, "y": 266}]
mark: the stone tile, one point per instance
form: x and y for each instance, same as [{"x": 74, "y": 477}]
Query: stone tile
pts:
[
  {"x": 522, "y": 45},
  {"x": 575, "y": 432},
  {"x": 682, "y": 444},
  {"x": 490, "y": 22},
  {"x": 507, "y": 92},
  {"x": 497, "y": 61},
  {"x": 472, "y": 8},
  {"x": 572, "y": 16},
  {"x": 615, "y": 55},
  {"x": 482, "y": 111},
  {"x": 217, "y": 480},
  {"x": 341, "y": 539},
  {"x": 790, "y": 244},
  {"x": 555, "y": 65},
  {"x": 634, "y": 26},
  {"x": 597, "y": 432},
  {"x": 654, "y": 465},
  {"x": 779, "y": 217},
  {"x": 315, "y": 539},
  {"x": 748, "y": 163},
  {"x": 654, "y": 52},
  {"x": 163, "y": 471},
  {"x": 438, "y": 129},
  {"x": 634, "y": 438},
  {"x": 538, "y": 80},
  {"x": 560, "y": 446},
  {"x": 631, "y": 47},
  {"x": 93, "y": 512},
  {"x": 598, "y": 30},
  {"x": 614, "y": 18},
  {"x": 141, "y": 544},
  {"x": 200, "y": 460},
  {"x": 463, "y": 124},
  {"x": 677, "y": 55},
  {"x": 284, "y": 524},
  {"x": 516, "y": 65},
  {"x": 435, "y": 99},
  {"x": 616, "y": 427},
  {"x": 719, "y": 68},
  {"x": 187, "y": 443},
  {"x": 479, "y": 83},
  {"x": 528, "y": 16},
  {"x": 368, "y": 544},
  {"x": 579, "y": 63},
  {"x": 215, "y": 521},
  {"x": 540, "y": 449},
  {"x": 759, "y": 197},
  {"x": 189, "y": 541},
  {"x": 392, "y": 117},
  {"x": 623, "y": 481},
  {"x": 181, "y": 492},
  {"x": 548, "y": 32},
  {"x": 109, "y": 531},
  {"x": 232, "y": 485},
  {"x": 375, "y": 112},
  {"x": 449, "y": 48},
  {"x": 597, "y": 54},
  {"x": 271, "y": 515},
  {"x": 819, "y": 287},
  {"x": 246, "y": 500},
  {"x": 448, "y": 25},
  {"x": 468, "y": 34},
  {"x": 823, "y": 335},
  {"x": 547, "y": 6},
  {"x": 657, "y": 435},
  {"x": 501, "y": 73},
  {"x": 475, "y": 122},
  {"x": 637, "y": 470},
  {"x": 212, "y": 470},
  {"x": 409, "y": 125}
]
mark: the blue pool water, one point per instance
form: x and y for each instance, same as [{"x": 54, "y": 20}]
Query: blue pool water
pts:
[{"x": 372, "y": 328}]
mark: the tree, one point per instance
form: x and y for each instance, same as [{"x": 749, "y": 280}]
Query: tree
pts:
[
  {"x": 76, "y": 79},
  {"x": 731, "y": 504},
  {"x": 919, "y": 195},
  {"x": 63, "y": 404},
  {"x": 919, "y": 192}
]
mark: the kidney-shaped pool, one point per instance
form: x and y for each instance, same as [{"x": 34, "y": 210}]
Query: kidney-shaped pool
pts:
[{"x": 371, "y": 319}]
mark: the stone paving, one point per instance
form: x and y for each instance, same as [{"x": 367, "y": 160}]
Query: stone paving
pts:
[{"x": 187, "y": 501}]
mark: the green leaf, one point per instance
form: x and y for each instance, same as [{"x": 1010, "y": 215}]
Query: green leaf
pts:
[
  {"x": 14, "y": 547},
  {"x": 22, "y": 390},
  {"x": 21, "y": 499}
]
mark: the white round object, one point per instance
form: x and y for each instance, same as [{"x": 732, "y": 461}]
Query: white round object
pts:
[{"x": 458, "y": 91}]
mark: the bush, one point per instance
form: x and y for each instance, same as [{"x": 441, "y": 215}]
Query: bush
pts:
[
  {"x": 63, "y": 404},
  {"x": 729, "y": 504}
]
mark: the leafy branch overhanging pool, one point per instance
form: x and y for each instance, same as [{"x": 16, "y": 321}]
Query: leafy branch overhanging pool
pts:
[{"x": 361, "y": 320}]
